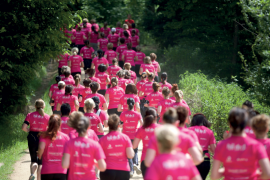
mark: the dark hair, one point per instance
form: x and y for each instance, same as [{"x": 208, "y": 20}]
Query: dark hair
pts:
[
  {"x": 248, "y": 104},
  {"x": 114, "y": 61},
  {"x": 126, "y": 34},
  {"x": 155, "y": 86},
  {"x": 53, "y": 127},
  {"x": 174, "y": 88},
  {"x": 133, "y": 25},
  {"x": 144, "y": 75},
  {"x": 170, "y": 116},
  {"x": 127, "y": 74},
  {"x": 100, "y": 53},
  {"x": 69, "y": 89},
  {"x": 93, "y": 28},
  {"x": 90, "y": 72},
  {"x": 130, "y": 103},
  {"x": 120, "y": 73},
  {"x": 114, "y": 81},
  {"x": 102, "y": 35},
  {"x": 79, "y": 122},
  {"x": 87, "y": 82},
  {"x": 102, "y": 68},
  {"x": 182, "y": 114},
  {"x": 79, "y": 28},
  {"x": 57, "y": 79},
  {"x": 97, "y": 102},
  {"x": 166, "y": 91},
  {"x": 150, "y": 76},
  {"x": 199, "y": 120},
  {"x": 113, "y": 122},
  {"x": 129, "y": 46},
  {"x": 122, "y": 40},
  {"x": 86, "y": 42},
  {"x": 131, "y": 89},
  {"x": 67, "y": 73},
  {"x": 133, "y": 31},
  {"x": 94, "y": 87},
  {"x": 163, "y": 77},
  {"x": 65, "y": 109},
  {"x": 238, "y": 119},
  {"x": 150, "y": 116}
]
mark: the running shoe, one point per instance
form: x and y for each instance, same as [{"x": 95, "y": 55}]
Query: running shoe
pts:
[
  {"x": 131, "y": 174},
  {"x": 137, "y": 169},
  {"x": 97, "y": 176},
  {"x": 32, "y": 177}
]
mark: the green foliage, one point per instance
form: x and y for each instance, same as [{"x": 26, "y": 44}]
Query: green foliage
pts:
[{"x": 214, "y": 98}]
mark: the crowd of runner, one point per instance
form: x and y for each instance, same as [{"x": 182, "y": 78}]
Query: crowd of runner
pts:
[{"x": 122, "y": 91}]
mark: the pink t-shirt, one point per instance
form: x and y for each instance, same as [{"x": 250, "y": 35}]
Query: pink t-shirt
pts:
[
  {"x": 122, "y": 83},
  {"x": 90, "y": 134},
  {"x": 165, "y": 85},
  {"x": 64, "y": 127},
  {"x": 84, "y": 92},
  {"x": 63, "y": 76},
  {"x": 113, "y": 38},
  {"x": 103, "y": 44},
  {"x": 105, "y": 31},
  {"x": 82, "y": 153},
  {"x": 240, "y": 156},
  {"x": 129, "y": 81},
  {"x": 171, "y": 167},
  {"x": 118, "y": 30},
  {"x": 127, "y": 40},
  {"x": 165, "y": 104},
  {"x": 103, "y": 117},
  {"x": 149, "y": 67},
  {"x": 111, "y": 54},
  {"x": 114, "y": 145},
  {"x": 93, "y": 37},
  {"x": 96, "y": 25},
  {"x": 131, "y": 120},
  {"x": 103, "y": 77},
  {"x": 140, "y": 56},
  {"x": 70, "y": 99},
  {"x": 56, "y": 96},
  {"x": 79, "y": 37},
  {"x": 52, "y": 155},
  {"x": 86, "y": 31},
  {"x": 133, "y": 75},
  {"x": 63, "y": 60},
  {"x": 37, "y": 122},
  {"x": 147, "y": 88},
  {"x": 145, "y": 134},
  {"x": 87, "y": 52},
  {"x": 101, "y": 98},
  {"x": 122, "y": 33},
  {"x": 266, "y": 144},
  {"x": 137, "y": 31},
  {"x": 94, "y": 120},
  {"x": 249, "y": 132},
  {"x": 123, "y": 100},
  {"x": 183, "y": 101},
  {"x": 112, "y": 70},
  {"x": 114, "y": 96},
  {"x": 120, "y": 49},
  {"x": 95, "y": 79},
  {"x": 156, "y": 65},
  {"x": 68, "y": 81},
  {"x": 189, "y": 132},
  {"x": 77, "y": 90},
  {"x": 134, "y": 40},
  {"x": 54, "y": 87},
  {"x": 154, "y": 98},
  {"x": 205, "y": 136},
  {"x": 129, "y": 56},
  {"x": 176, "y": 104},
  {"x": 139, "y": 86},
  {"x": 96, "y": 61},
  {"x": 75, "y": 63}
]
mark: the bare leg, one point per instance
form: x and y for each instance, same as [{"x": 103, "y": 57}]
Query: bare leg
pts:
[
  {"x": 33, "y": 168},
  {"x": 38, "y": 172}
]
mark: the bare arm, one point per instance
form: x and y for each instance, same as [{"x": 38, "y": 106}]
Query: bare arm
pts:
[
  {"x": 130, "y": 152},
  {"x": 265, "y": 166},
  {"x": 100, "y": 128},
  {"x": 101, "y": 165},
  {"x": 98, "y": 44},
  {"x": 141, "y": 94},
  {"x": 119, "y": 108},
  {"x": 76, "y": 104},
  {"x": 105, "y": 106},
  {"x": 136, "y": 142},
  {"x": 41, "y": 148},
  {"x": 212, "y": 148},
  {"x": 149, "y": 157},
  {"x": 25, "y": 127},
  {"x": 159, "y": 110},
  {"x": 58, "y": 107},
  {"x": 92, "y": 66},
  {"x": 137, "y": 106},
  {"x": 198, "y": 177},
  {"x": 215, "y": 173},
  {"x": 65, "y": 160},
  {"x": 196, "y": 155},
  {"x": 123, "y": 58},
  {"x": 82, "y": 64},
  {"x": 141, "y": 71},
  {"x": 107, "y": 97},
  {"x": 69, "y": 63},
  {"x": 158, "y": 69}
]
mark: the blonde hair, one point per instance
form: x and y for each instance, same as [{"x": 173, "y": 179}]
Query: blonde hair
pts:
[
  {"x": 153, "y": 56},
  {"x": 167, "y": 137},
  {"x": 89, "y": 104},
  {"x": 93, "y": 21},
  {"x": 114, "y": 61},
  {"x": 110, "y": 46},
  {"x": 125, "y": 26},
  {"x": 114, "y": 81},
  {"x": 40, "y": 104},
  {"x": 85, "y": 20},
  {"x": 147, "y": 60},
  {"x": 79, "y": 122},
  {"x": 260, "y": 123},
  {"x": 178, "y": 94},
  {"x": 150, "y": 75},
  {"x": 64, "y": 68},
  {"x": 127, "y": 66},
  {"x": 74, "y": 51},
  {"x": 77, "y": 79}
]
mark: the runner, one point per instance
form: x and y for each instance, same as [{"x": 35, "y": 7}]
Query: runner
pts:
[
  {"x": 106, "y": 30},
  {"x": 51, "y": 146},
  {"x": 57, "y": 95},
  {"x": 69, "y": 98},
  {"x": 63, "y": 69},
  {"x": 120, "y": 49},
  {"x": 248, "y": 130},
  {"x": 102, "y": 42},
  {"x": 130, "y": 119},
  {"x": 104, "y": 78},
  {"x": 248, "y": 105},
  {"x": 93, "y": 23},
  {"x": 62, "y": 61},
  {"x": 144, "y": 133},
  {"x": 135, "y": 40},
  {"x": 94, "y": 38},
  {"x": 133, "y": 27},
  {"x": 129, "y": 56},
  {"x": 94, "y": 88},
  {"x": 126, "y": 35},
  {"x": 133, "y": 76},
  {"x": 164, "y": 104},
  {"x": 67, "y": 79},
  {"x": 239, "y": 153},
  {"x": 86, "y": 52},
  {"x": 147, "y": 88},
  {"x": 78, "y": 88},
  {"x": 138, "y": 63},
  {"x": 154, "y": 97},
  {"x": 170, "y": 165},
  {"x": 65, "y": 112},
  {"x": 99, "y": 60},
  {"x": 85, "y": 91},
  {"x": 125, "y": 28},
  {"x": 112, "y": 97},
  {"x": 164, "y": 82},
  {"x": 175, "y": 88},
  {"x": 147, "y": 66},
  {"x": 129, "y": 21},
  {"x": 85, "y": 21},
  {"x": 54, "y": 87},
  {"x": 121, "y": 81},
  {"x": 200, "y": 126},
  {"x": 75, "y": 62},
  {"x": 128, "y": 77},
  {"x": 38, "y": 122},
  {"x": 113, "y": 69},
  {"x": 86, "y": 28},
  {"x": 139, "y": 87},
  {"x": 118, "y": 28},
  {"x": 115, "y": 143},
  {"x": 130, "y": 92},
  {"x": 110, "y": 54},
  {"x": 92, "y": 73},
  {"x": 82, "y": 151},
  {"x": 79, "y": 37},
  {"x": 153, "y": 57},
  {"x": 113, "y": 38}
]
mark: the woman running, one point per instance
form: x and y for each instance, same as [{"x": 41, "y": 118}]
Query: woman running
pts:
[
  {"x": 63, "y": 69},
  {"x": 57, "y": 95},
  {"x": 147, "y": 88},
  {"x": 187, "y": 145},
  {"x": 92, "y": 73},
  {"x": 112, "y": 97},
  {"x": 102, "y": 42},
  {"x": 135, "y": 40},
  {"x": 128, "y": 77},
  {"x": 85, "y": 92},
  {"x": 200, "y": 126},
  {"x": 62, "y": 61},
  {"x": 139, "y": 87},
  {"x": 65, "y": 112},
  {"x": 121, "y": 81},
  {"x": 38, "y": 122},
  {"x": 69, "y": 98},
  {"x": 106, "y": 30},
  {"x": 54, "y": 87},
  {"x": 112, "y": 70},
  {"x": 138, "y": 63},
  {"x": 164, "y": 104},
  {"x": 79, "y": 37},
  {"x": 86, "y": 53},
  {"x": 239, "y": 154},
  {"x": 86, "y": 27},
  {"x": 248, "y": 130},
  {"x": 104, "y": 78},
  {"x": 133, "y": 76},
  {"x": 94, "y": 88},
  {"x": 144, "y": 133},
  {"x": 147, "y": 66},
  {"x": 94, "y": 38},
  {"x": 130, "y": 92},
  {"x": 113, "y": 38},
  {"x": 99, "y": 60},
  {"x": 170, "y": 165},
  {"x": 75, "y": 62},
  {"x": 130, "y": 119},
  {"x": 114, "y": 143},
  {"x": 93, "y": 23},
  {"x": 110, "y": 54},
  {"x": 154, "y": 97},
  {"x": 82, "y": 154},
  {"x": 129, "y": 56},
  {"x": 127, "y": 37},
  {"x": 175, "y": 88},
  {"x": 125, "y": 28},
  {"x": 133, "y": 27},
  {"x": 120, "y": 49},
  {"x": 153, "y": 57},
  {"x": 51, "y": 146},
  {"x": 67, "y": 79},
  {"x": 118, "y": 28},
  {"x": 164, "y": 82}
]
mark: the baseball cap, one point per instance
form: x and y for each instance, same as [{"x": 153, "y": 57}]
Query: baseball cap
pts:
[
  {"x": 113, "y": 30},
  {"x": 61, "y": 83}
]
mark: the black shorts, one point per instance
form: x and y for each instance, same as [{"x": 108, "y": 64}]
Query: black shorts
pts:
[
  {"x": 53, "y": 176},
  {"x": 114, "y": 48},
  {"x": 87, "y": 63},
  {"x": 33, "y": 142},
  {"x": 57, "y": 112},
  {"x": 121, "y": 64},
  {"x": 156, "y": 79},
  {"x": 100, "y": 136},
  {"x": 137, "y": 70},
  {"x": 114, "y": 111},
  {"x": 132, "y": 68},
  {"x": 134, "y": 48},
  {"x": 111, "y": 174},
  {"x": 59, "y": 71},
  {"x": 143, "y": 168},
  {"x": 204, "y": 168},
  {"x": 79, "y": 46},
  {"x": 74, "y": 73},
  {"x": 102, "y": 91},
  {"x": 81, "y": 109},
  {"x": 72, "y": 45}
]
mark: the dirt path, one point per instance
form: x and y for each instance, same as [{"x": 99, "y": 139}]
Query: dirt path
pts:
[{"x": 22, "y": 167}]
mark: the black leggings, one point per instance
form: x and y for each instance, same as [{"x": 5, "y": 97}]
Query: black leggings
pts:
[
  {"x": 53, "y": 176},
  {"x": 143, "y": 168},
  {"x": 33, "y": 142},
  {"x": 204, "y": 168},
  {"x": 121, "y": 64},
  {"x": 81, "y": 109},
  {"x": 111, "y": 174},
  {"x": 114, "y": 111},
  {"x": 102, "y": 91}
]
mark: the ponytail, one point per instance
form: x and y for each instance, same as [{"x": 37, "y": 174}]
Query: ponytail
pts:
[
  {"x": 150, "y": 75},
  {"x": 40, "y": 104},
  {"x": 150, "y": 117},
  {"x": 79, "y": 122},
  {"x": 53, "y": 127},
  {"x": 178, "y": 94},
  {"x": 114, "y": 81},
  {"x": 100, "y": 53},
  {"x": 74, "y": 51},
  {"x": 77, "y": 78},
  {"x": 130, "y": 103},
  {"x": 68, "y": 90}
]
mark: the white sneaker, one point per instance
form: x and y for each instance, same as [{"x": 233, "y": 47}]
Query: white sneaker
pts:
[
  {"x": 131, "y": 174},
  {"x": 137, "y": 169},
  {"x": 97, "y": 176}
]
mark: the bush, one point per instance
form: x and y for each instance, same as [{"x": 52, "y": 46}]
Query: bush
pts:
[{"x": 214, "y": 98}]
